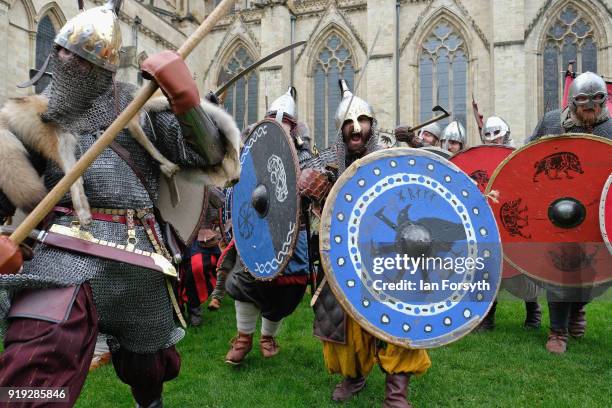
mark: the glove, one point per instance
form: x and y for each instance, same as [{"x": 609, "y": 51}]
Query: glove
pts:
[
  {"x": 314, "y": 184},
  {"x": 170, "y": 72},
  {"x": 11, "y": 258},
  {"x": 404, "y": 134}
]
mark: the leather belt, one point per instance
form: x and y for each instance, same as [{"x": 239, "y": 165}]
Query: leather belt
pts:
[{"x": 102, "y": 214}]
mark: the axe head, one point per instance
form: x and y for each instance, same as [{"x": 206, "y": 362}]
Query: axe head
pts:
[{"x": 438, "y": 108}]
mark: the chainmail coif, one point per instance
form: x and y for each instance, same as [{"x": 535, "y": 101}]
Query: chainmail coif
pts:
[{"x": 73, "y": 92}]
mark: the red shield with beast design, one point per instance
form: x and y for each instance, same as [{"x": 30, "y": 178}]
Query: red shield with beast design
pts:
[{"x": 547, "y": 209}]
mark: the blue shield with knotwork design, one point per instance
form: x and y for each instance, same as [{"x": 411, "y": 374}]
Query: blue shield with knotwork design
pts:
[
  {"x": 265, "y": 202},
  {"x": 410, "y": 248}
]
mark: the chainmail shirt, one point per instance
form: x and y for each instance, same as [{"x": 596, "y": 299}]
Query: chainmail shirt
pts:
[{"x": 132, "y": 302}]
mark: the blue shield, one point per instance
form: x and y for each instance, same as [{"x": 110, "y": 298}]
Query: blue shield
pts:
[
  {"x": 265, "y": 205},
  {"x": 410, "y": 248}
]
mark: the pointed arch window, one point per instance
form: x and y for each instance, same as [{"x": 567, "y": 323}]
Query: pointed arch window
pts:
[
  {"x": 45, "y": 34},
  {"x": 569, "y": 38},
  {"x": 333, "y": 61},
  {"x": 443, "y": 73},
  {"x": 241, "y": 98}
]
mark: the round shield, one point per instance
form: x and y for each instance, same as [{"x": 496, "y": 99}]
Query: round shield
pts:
[
  {"x": 439, "y": 151},
  {"x": 265, "y": 202},
  {"x": 410, "y": 248},
  {"x": 186, "y": 216},
  {"x": 548, "y": 194},
  {"x": 479, "y": 162},
  {"x": 605, "y": 213}
]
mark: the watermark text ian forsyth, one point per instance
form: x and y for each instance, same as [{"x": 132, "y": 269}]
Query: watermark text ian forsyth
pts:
[{"x": 422, "y": 285}]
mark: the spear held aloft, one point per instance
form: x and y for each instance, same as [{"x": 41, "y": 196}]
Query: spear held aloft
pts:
[{"x": 46, "y": 205}]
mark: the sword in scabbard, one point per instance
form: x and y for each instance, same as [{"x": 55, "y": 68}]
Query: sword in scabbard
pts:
[{"x": 82, "y": 242}]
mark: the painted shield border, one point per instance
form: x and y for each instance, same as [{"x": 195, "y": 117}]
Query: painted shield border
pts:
[
  {"x": 606, "y": 195},
  {"x": 292, "y": 236},
  {"x": 472, "y": 320},
  {"x": 518, "y": 151}
]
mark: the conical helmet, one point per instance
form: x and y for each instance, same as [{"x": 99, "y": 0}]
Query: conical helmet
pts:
[
  {"x": 358, "y": 108},
  {"x": 94, "y": 35},
  {"x": 284, "y": 106},
  {"x": 453, "y": 131}
]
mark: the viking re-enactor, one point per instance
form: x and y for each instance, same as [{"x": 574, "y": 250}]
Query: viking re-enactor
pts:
[
  {"x": 496, "y": 131},
  {"x": 276, "y": 299},
  {"x": 60, "y": 299},
  {"x": 347, "y": 348},
  {"x": 586, "y": 113}
]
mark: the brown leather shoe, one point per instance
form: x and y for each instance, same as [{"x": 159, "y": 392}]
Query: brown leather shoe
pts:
[
  {"x": 348, "y": 387},
  {"x": 396, "y": 391},
  {"x": 214, "y": 305},
  {"x": 557, "y": 341},
  {"x": 577, "y": 321},
  {"x": 241, "y": 345},
  {"x": 268, "y": 346}
]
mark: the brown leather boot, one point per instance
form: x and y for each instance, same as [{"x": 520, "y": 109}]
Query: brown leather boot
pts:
[
  {"x": 241, "y": 345},
  {"x": 577, "y": 321},
  {"x": 348, "y": 387},
  {"x": 557, "y": 341},
  {"x": 396, "y": 391},
  {"x": 533, "y": 319},
  {"x": 214, "y": 305},
  {"x": 268, "y": 346}
]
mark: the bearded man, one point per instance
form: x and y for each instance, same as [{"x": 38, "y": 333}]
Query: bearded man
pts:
[
  {"x": 61, "y": 298},
  {"x": 348, "y": 349},
  {"x": 586, "y": 112}
]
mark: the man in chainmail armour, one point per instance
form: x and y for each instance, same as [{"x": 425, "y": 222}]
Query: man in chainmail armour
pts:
[
  {"x": 586, "y": 112},
  {"x": 60, "y": 299},
  {"x": 276, "y": 299},
  {"x": 347, "y": 348}
]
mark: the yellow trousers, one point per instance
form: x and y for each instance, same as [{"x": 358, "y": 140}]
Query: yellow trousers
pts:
[{"x": 357, "y": 357}]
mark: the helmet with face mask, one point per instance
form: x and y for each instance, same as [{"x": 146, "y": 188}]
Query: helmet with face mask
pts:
[
  {"x": 358, "y": 107},
  {"x": 455, "y": 132},
  {"x": 432, "y": 128},
  {"x": 494, "y": 128},
  {"x": 588, "y": 90},
  {"x": 94, "y": 39}
]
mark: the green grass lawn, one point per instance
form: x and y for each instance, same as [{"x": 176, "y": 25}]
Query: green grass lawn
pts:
[{"x": 505, "y": 368}]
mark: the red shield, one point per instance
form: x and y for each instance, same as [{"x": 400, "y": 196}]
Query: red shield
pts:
[
  {"x": 479, "y": 162},
  {"x": 605, "y": 213},
  {"x": 547, "y": 209}
]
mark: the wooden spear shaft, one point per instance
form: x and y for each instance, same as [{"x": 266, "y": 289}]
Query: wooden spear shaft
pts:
[{"x": 56, "y": 194}]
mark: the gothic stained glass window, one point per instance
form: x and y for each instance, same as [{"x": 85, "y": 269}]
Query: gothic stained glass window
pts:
[
  {"x": 241, "y": 98},
  {"x": 443, "y": 74},
  {"x": 334, "y": 61},
  {"x": 569, "y": 38},
  {"x": 45, "y": 34}
]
